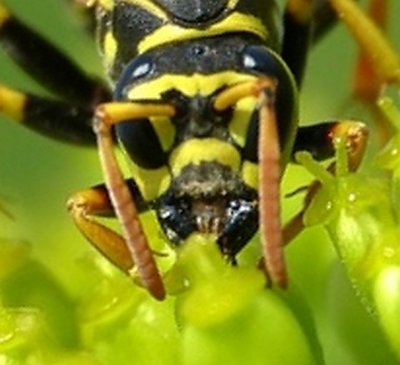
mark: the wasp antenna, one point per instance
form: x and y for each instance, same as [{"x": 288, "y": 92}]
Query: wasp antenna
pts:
[
  {"x": 126, "y": 210},
  {"x": 269, "y": 182}
]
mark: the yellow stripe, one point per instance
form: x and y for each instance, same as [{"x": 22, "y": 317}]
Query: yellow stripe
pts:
[
  {"x": 151, "y": 183},
  {"x": 165, "y": 131},
  {"x": 4, "y": 14},
  {"x": 195, "y": 151},
  {"x": 239, "y": 124},
  {"x": 250, "y": 174},
  {"x": 190, "y": 86},
  {"x": 12, "y": 103},
  {"x": 236, "y": 22},
  {"x": 196, "y": 84}
]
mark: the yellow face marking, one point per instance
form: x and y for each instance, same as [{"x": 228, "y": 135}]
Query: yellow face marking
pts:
[
  {"x": 195, "y": 151},
  {"x": 4, "y": 14},
  {"x": 239, "y": 123},
  {"x": 250, "y": 174},
  {"x": 235, "y": 22},
  {"x": 12, "y": 103},
  {"x": 165, "y": 131},
  {"x": 191, "y": 85},
  {"x": 151, "y": 183}
]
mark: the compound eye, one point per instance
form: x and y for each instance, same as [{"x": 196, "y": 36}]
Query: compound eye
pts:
[
  {"x": 138, "y": 137},
  {"x": 136, "y": 70},
  {"x": 261, "y": 60}
]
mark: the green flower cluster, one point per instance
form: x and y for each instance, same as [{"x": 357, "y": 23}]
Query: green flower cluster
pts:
[
  {"x": 219, "y": 314},
  {"x": 361, "y": 215}
]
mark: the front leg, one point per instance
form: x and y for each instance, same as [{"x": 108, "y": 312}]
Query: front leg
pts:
[
  {"x": 126, "y": 210},
  {"x": 381, "y": 55},
  {"x": 95, "y": 202},
  {"x": 320, "y": 140}
]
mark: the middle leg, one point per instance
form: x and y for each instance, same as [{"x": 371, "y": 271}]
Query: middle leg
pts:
[
  {"x": 70, "y": 117},
  {"x": 47, "y": 65}
]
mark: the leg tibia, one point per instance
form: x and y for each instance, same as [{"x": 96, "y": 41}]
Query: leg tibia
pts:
[
  {"x": 83, "y": 206},
  {"x": 52, "y": 118}
]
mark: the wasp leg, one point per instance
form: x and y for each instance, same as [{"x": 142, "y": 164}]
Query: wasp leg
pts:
[
  {"x": 95, "y": 201},
  {"x": 383, "y": 58},
  {"x": 320, "y": 140},
  {"x": 367, "y": 86},
  {"x": 47, "y": 65},
  {"x": 70, "y": 119},
  {"x": 52, "y": 118},
  {"x": 298, "y": 25},
  {"x": 125, "y": 208},
  {"x": 325, "y": 18},
  {"x": 269, "y": 159},
  {"x": 305, "y": 23}
]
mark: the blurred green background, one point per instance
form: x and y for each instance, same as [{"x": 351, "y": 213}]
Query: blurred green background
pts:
[{"x": 37, "y": 175}]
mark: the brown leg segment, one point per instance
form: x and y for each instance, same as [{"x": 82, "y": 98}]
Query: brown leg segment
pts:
[
  {"x": 319, "y": 139},
  {"x": 269, "y": 171},
  {"x": 269, "y": 158},
  {"x": 95, "y": 201},
  {"x": 121, "y": 199}
]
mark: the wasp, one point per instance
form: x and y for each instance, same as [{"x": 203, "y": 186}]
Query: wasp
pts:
[{"x": 202, "y": 97}]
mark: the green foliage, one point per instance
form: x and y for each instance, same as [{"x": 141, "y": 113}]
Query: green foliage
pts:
[
  {"x": 361, "y": 216},
  {"x": 224, "y": 315}
]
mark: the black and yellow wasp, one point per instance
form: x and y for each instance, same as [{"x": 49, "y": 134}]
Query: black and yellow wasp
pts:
[{"x": 203, "y": 101}]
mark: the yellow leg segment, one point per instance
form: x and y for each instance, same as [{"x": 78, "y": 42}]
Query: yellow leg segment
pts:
[
  {"x": 382, "y": 56},
  {"x": 4, "y": 14},
  {"x": 12, "y": 103},
  {"x": 95, "y": 202}
]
